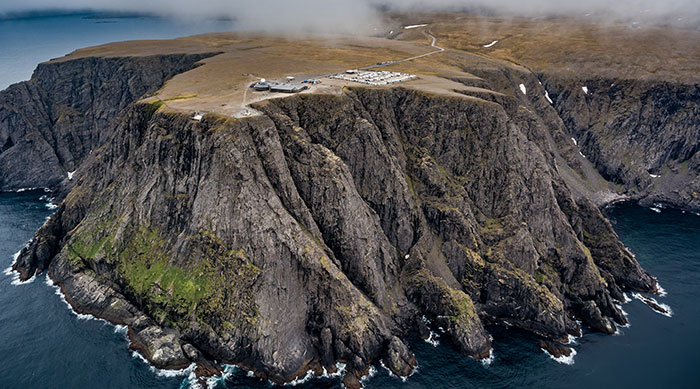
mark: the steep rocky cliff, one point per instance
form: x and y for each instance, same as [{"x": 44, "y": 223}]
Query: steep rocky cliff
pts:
[
  {"x": 49, "y": 124},
  {"x": 327, "y": 228},
  {"x": 643, "y": 135}
]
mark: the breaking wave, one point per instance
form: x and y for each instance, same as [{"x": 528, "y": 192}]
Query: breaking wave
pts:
[
  {"x": 666, "y": 310},
  {"x": 189, "y": 370},
  {"x": 566, "y": 360}
]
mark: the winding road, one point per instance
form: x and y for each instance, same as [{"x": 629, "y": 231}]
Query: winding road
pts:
[{"x": 433, "y": 43}]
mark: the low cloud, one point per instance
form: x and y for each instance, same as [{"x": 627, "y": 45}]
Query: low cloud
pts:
[{"x": 359, "y": 16}]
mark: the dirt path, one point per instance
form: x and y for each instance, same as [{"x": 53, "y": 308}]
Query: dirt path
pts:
[{"x": 433, "y": 43}]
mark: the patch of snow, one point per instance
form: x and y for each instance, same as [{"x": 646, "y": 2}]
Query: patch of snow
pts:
[
  {"x": 546, "y": 96},
  {"x": 582, "y": 154},
  {"x": 70, "y": 175},
  {"x": 414, "y": 26},
  {"x": 491, "y": 44},
  {"x": 574, "y": 140},
  {"x": 585, "y": 89},
  {"x": 523, "y": 89},
  {"x": 654, "y": 175}
]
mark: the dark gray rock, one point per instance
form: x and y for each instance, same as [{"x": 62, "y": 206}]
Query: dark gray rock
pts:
[
  {"x": 324, "y": 229},
  {"x": 51, "y": 123}
]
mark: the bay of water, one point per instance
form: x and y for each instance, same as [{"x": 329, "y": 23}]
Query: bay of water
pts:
[
  {"x": 25, "y": 42},
  {"x": 43, "y": 344}
]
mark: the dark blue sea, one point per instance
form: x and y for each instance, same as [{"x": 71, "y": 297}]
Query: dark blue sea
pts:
[{"x": 43, "y": 344}]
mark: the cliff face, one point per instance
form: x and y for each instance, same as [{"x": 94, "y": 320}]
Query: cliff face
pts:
[
  {"x": 325, "y": 229},
  {"x": 49, "y": 124},
  {"x": 641, "y": 135},
  {"x": 330, "y": 227}
]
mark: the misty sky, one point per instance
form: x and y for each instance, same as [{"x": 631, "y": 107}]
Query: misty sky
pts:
[{"x": 354, "y": 15}]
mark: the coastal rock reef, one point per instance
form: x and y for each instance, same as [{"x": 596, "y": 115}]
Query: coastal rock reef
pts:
[{"x": 331, "y": 227}]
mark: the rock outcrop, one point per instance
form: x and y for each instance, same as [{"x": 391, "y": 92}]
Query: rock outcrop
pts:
[
  {"x": 643, "y": 135},
  {"x": 51, "y": 123},
  {"x": 326, "y": 228}
]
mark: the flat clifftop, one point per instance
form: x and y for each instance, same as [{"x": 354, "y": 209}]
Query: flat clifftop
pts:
[{"x": 221, "y": 83}]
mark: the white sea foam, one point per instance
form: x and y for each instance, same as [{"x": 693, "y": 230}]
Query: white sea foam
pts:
[
  {"x": 213, "y": 381},
  {"x": 646, "y": 300},
  {"x": 486, "y": 362},
  {"x": 120, "y": 329},
  {"x": 491, "y": 44},
  {"x": 340, "y": 370},
  {"x": 660, "y": 290},
  {"x": 372, "y": 372},
  {"x": 563, "y": 359},
  {"x": 81, "y": 316},
  {"x": 572, "y": 340},
  {"x": 14, "y": 274},
  {"x": 546, "y": 96},
  {"x": 188, "y": 371},
  {"x": 627, "y": 298},
  {"x": 16, "y": 281},
  {"x": 433, "y": 339},
  {"x": 51, "y": 206},
  {"x": 523, "y": 89},
  {"x": 391, "y": 374},
  {"x": 624, "y": 313},
  {"x": 309, "y": 375},
  {"x": 657, "y": 210}
]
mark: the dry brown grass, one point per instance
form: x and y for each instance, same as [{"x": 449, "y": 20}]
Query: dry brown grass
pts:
[{"x": 557, "y": 46}]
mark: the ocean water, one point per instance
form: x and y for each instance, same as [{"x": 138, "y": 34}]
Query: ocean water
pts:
[
  {"x": 25, "y": 42},
  {"x": 43, "y": 344}
]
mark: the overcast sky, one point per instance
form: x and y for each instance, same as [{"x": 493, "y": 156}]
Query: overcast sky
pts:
[{"x": 355, "y": 15}]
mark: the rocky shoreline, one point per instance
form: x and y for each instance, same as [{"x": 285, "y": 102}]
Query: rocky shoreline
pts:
[{"x": 326, "y": 229}]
